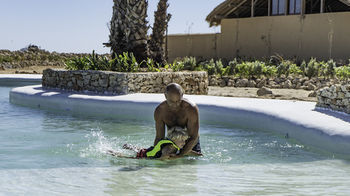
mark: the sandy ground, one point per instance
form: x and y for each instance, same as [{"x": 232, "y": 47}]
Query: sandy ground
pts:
[{"x": 287, "y": 94}]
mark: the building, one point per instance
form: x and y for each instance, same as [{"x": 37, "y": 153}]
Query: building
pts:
[{"x": 261, "y": 28}]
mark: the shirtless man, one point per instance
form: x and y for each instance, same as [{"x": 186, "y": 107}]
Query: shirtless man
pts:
[{"x": 177, "y": 111}]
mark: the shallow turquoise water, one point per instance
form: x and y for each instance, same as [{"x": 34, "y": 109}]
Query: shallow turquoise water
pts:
[{"x": 44, "y": 153}]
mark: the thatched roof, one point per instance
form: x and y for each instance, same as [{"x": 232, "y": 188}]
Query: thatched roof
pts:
[
  {"x": 221, "y": 11},
  {"x": 242, "y": 9}
]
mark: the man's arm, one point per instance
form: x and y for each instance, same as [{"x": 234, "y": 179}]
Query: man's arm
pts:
[
  {"x": 160, "y": 126},
  {"x": 192, "y": 129}
]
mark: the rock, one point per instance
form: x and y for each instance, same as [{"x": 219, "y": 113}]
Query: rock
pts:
[
  {"x": 241, "y": 83},
  {"x": 311, "y": 87},
  {"x": 251, "y": 83},
  {"x": 213, "y": 82},
  {"x": 222, "y": 83},
  {"x": 103, "y": 82},
  {"x": 231, "y": 82},
  {"x": 287, "y": 84},
  {"x": 261, "y": 83},
  {"x": 166, "y": 80},
  {"x": 264, "y": 91},
  {"x": 312, "y": 94},
  {"x": 341, "y": 95}
]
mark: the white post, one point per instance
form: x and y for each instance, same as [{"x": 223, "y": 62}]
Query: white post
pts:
[
  {"x": 252, "y": 9},
  {"x": 269, "y": 8}
]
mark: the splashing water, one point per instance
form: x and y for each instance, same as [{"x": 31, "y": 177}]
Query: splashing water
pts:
[{"x": 99, "y": 145}]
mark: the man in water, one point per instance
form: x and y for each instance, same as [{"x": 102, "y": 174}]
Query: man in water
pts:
[{"x": 178, "y": 112}]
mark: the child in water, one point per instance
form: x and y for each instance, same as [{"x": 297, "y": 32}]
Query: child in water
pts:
[{"x": 164, "y": 149}]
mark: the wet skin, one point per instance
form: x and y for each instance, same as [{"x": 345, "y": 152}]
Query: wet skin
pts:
[{"x": 177, "y": 111}]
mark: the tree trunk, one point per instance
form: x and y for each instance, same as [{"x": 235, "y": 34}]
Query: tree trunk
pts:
[
  {"x": 128, "y": 28},
  {"x": 156, "y": 43}
]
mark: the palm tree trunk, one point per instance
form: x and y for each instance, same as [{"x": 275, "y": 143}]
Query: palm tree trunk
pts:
[
  {"x": 128, "y": 28},
  {"x": 156, "y": 43}
]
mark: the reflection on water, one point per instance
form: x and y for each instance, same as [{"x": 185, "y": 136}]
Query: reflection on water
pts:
[{"x": 43, "y": 153}]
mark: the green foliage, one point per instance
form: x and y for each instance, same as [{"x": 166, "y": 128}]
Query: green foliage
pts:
[
  {"x": 177, "y": 66},
  {"x": 270, "y": 71},
  {"x": 247, "y": 69},
  {"x": 250, "y": 69},
  {"x": 343, "y": 72},
  {"x": 283, "y": 68},
  {"x": 77, "y": 64},
  {"x": 212, "y": 67},
  {"x": 219, "y": 67},
  {"x": 312, "y": 69},
  {"x": 190, "y": 63},
  {"x": 230, "y": 69},
  {"x": 122, "y": 63},
  {"x": 151, "y": 66},
  {"x": 327, "y": 69},
  {"x": 5, "y": 59},
  {"x": 295, "y": 70}
]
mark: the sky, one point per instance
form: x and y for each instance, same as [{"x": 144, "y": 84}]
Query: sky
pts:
[{"x": 80, "y": 26}]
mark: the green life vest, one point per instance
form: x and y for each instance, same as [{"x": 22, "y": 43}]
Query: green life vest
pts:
[{"x": 157, "y": 149}]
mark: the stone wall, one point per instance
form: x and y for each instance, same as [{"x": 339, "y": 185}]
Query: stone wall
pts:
[
  {"x": 125, "y": 83},
  {"x": 282, "y": 82},
  {"x": 336, "y": 97}
]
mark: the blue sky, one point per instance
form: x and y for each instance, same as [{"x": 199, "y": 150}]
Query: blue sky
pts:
[{"x": 81, "y": 25}]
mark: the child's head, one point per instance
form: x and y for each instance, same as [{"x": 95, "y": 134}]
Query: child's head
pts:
[{"x": 178, "y": 135}]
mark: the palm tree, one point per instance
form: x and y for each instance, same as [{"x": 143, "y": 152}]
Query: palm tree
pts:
[
  {"x": 156, "y": 43},
  {"x": 128, "y": 28}
]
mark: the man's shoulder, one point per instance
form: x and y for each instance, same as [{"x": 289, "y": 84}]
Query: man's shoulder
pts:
[
  {"x": 190, "y": 106},
  {"x": 161, "y": 106},
  {"x": 189, "y": 103}
]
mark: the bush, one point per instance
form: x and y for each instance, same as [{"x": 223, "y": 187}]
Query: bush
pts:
[
  {"x": 327, "y": 69},
  {"x": 213, "y": 67},
  {"x": 312, "y": 69},
  {"x": 283, "y": 68},
  {"x": 177, "y": 66},
  {"x": 190, "y": 63},
  {"x": 122, "y": 63},
  {"x": 295, "y": 70},
  {"x": 343, "y": 72},
  {"x": 230, "y": 69},
  {"x": 5, "y": 59}
]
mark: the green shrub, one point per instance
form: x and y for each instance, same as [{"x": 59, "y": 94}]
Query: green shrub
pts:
[
  {"x": 343, "y": 72},
  {"x": 327, "y": 69},
  {"x": 77, "y": 64},
  {"x": 212, "y": 67},
  {"x": 153, "y": 67},
  {"x": 312, "y": 69},
  {"x": 5, "y": 59},
  {"x": 295, "y": 70},
  {"x": 230, "y": 69},
  {"x": 283, "y": 68},
  {"x": 219, "y": 67},
  {"x": 190, "y": 63},
  {"x": 177, "y": 66},
  {"x": 270, "y": 71},
  {"x": 122, "y": 63}
]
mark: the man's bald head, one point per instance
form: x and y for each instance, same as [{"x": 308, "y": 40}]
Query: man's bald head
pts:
[
  {"x": 174, "y": 88},
  {"x": 173, "y": 94}
]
